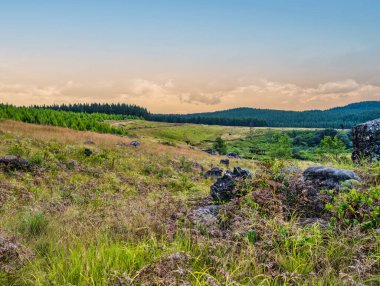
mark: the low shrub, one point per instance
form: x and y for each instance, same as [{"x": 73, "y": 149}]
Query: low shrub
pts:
[{"x": 357, "y": 207}]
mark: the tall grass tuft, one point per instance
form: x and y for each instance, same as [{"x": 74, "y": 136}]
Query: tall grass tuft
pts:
[
  {"x": 85, "y": 263},
  {"x": 34, "y": 224}
]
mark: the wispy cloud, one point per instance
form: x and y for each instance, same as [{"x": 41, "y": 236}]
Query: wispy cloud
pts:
[
  {"x": 271, "y": 94},
  {"x": 169, "y": 96}
]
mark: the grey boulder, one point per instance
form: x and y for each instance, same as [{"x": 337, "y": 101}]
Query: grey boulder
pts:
[{"x": 328, "y": 178}]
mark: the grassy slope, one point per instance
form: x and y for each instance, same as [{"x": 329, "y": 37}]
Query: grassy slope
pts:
[
  {"x": 238, "y": 139},
  {"x": 91, "y": 219},
  {"x": 196, "y": 134}
]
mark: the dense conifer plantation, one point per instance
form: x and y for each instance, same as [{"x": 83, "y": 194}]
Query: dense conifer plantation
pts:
[
  {"x": 114, "y": 108},
  {"x": 74, "y": 120}
]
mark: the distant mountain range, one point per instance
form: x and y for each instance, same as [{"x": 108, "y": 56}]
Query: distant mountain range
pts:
[{"x": 338, "y": 117}]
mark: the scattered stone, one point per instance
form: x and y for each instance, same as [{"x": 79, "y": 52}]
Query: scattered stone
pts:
[
  {"x": 225, "y": 162},
  {"x": 12, "y": 254},
  {"x": 328, "y": 178},
  {"x": 89, "y": 142},
  {"x": 14, "y": 163},
  {"x": 214, "y": 172},
  {"x": 88, "y": 152},
  {"x": 230, "y": 185},
  {"x": 241, "y": 173},
  {"x": 233, "y": 155},
  {"x": 135, "y": 144},
  {"x": 211, "y": 152},
  {"x": 366, "y": 141}
]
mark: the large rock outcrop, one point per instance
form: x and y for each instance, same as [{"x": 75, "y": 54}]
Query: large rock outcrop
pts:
[
  {"x": 328, "y": 178},
  {"x": 305, "y": 194},
  {"x": 366, "y": 141}
]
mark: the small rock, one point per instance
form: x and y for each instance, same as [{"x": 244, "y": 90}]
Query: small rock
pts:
[
  {"x": 214, "y": 172},
  {"x": 241, "y": 173},
  {"x": 233, "y": 155},
  {"x": 88, "y": 152},
  {"x": 211, "y": 152},
  {"x": 14, "y": 163},
  {"x": 225, "y": 162},
  {"x": 135, "y": 144}
]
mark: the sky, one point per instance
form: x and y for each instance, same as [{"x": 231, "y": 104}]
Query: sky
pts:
[{"x": 177, "y": 56}]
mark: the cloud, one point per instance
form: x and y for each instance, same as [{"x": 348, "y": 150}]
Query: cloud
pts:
[
  {"x": 176, "y": 97},
  {"x": 345, "y": 86},
  {"x": 199, "y": 97},
  {"x": 142, "y": 87},
  {"x": 27, "y": 93},
  {"x": 269, "y": 94}
]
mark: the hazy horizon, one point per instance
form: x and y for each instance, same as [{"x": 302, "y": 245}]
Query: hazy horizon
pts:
[{"x": 191, "y": 56}]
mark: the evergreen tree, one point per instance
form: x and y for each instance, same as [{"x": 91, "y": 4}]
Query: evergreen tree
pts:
[
  {"x": 333, "y": 146},
  {"x": 283, "y": 148}
]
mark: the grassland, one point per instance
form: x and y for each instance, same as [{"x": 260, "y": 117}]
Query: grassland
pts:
[
  {"x": 119, "y": 216},
  {"x": 241, "y": 140}
]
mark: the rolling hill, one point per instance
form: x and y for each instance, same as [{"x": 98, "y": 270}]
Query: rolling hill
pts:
[{"x": 338, "y": 117}]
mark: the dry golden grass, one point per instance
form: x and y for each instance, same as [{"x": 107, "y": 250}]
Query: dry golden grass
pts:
[{"x": 66, "y": 136}]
